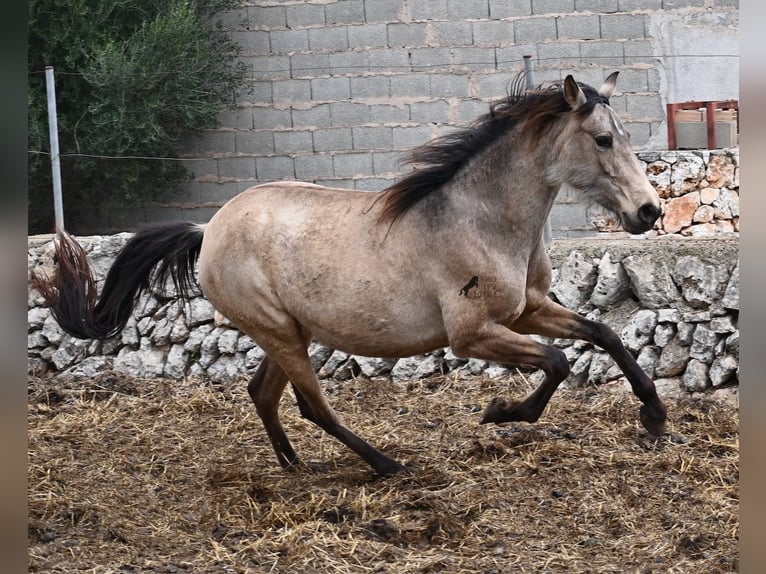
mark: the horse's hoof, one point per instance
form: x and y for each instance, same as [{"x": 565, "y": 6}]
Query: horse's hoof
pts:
[
  {"x": 655, "y": 426},
  {"x": 393, "y": 469},
  {"x": 502, "y": 410}
]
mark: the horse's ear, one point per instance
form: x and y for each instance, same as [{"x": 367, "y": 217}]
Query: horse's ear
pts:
[
  {"x": 573, "y": 93},
  {"x": 607, "y": 88}
]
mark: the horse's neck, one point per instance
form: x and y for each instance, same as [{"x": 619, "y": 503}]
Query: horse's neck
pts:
[{"x": 506, "y": 191}]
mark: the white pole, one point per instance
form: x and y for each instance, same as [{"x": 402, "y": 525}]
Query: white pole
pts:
[
  {"x": 58, "y": 204},
  {"x": 530, "y": 74}
]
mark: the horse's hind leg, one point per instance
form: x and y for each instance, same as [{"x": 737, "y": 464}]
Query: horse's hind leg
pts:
[
  {"x": 314, "y": 407},
  {"x": 553, "y": 320},
  {"x": 265, "y": 389}
]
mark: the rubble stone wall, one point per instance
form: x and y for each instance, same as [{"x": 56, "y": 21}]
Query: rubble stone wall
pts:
[{"x": 673, "y": 300}]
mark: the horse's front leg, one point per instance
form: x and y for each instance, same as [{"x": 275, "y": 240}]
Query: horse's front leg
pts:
[{"x": 553, "y": 320}]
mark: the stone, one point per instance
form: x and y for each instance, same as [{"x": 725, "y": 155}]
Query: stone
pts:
[
  {"x": 227, "y": 341},
  {"x": 417, "y": 367},
  {"x": 496, "y": 372},
  {"x": 89, "y": 367},
  {"x": 679, "y": 212},
  {"x": 647, "y": 360},
  {"x": 639, "y": 330},
  {"x": 36, "y": 317},
  {"x": 600, "y": 364},
  {"x": 732, "y": 344},
  {"x": 695, "y": 377},
  {"x": 700, "y": 282},
  {"x": 704, "y": 214},
  {"x": 668, "y": 316},
  {"x": 720, "y": 171},
  {"x": 612, "y": 283},
  {"x": 51, "y": 331},
  {"x": 200, "y": 311},
  {"x": 581, "y": 368},
  {"x": 374, "y": 366},
  {"x": 318, "y": 354},
  {"x": 730, "y": 299},
  {"x": 723, "y": 370},
  {"x": 253, "y": 357},
  {"x": 664, "y": 333},
  {"x": 722, "y": 325},
  {"x": 335, "y": 360},
  {"x": 650, "y": 281},
  {"x": 575, "y": 282},
  {"x": 703, "y": 344},
  {"x": 726, "y": 205},
  {"x": 708, "y": 195},
  {"x": 176, "y": 362},
  {"x": 672, "y": 360}
]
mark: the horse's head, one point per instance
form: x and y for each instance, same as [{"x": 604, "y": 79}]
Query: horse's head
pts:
[{"x": 594, "y": 156}]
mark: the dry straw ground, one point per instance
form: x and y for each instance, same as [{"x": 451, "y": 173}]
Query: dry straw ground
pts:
[{"x": 129, "y": 475}]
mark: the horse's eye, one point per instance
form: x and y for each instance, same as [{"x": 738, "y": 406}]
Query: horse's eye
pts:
[{"x": 604, "y": 141}]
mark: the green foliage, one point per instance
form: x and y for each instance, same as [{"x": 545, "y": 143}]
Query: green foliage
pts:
[{"x": 133, "y": 78}]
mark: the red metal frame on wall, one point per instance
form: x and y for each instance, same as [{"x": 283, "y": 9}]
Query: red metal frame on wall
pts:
[{"x": 710, "y": 106}]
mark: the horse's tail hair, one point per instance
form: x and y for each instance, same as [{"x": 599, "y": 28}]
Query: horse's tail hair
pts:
[{"x": 72, "y": 295}]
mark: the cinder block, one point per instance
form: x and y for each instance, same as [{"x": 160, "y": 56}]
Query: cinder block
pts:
[
  {"x": 240, "y": 118},
  {"x": 289, "y": 40},
  {"x": 633, "y": 80},
  {"x": 312, "y": 166},
  {"x": 558, "y": 53},
  {"x": 602, "y": 52},
  {"x": 474, "y": 58},
  {"x": 292, "y": 142},
  {"x": 349, "y": 113},
  {"x": 410, "y": 85},
  {"x": 693, "y": 135},
  {"x": 542, "y": 7},
  {"x": 426, "y": 9},
  {"x": 512, "y": 57},
  {"x": 533, "y": 30},
  {"x": 274, "y": 168},
  {"x": 638, "y": 51},
  {"x": 623, "y": 26},
  {"x": 352, "y": 164},
  {"x": 495, "y": 33},
  {"x": 383, "y": 10},
  {"x": 330, "y": 89},
  {"x": 269, "y": 68},
  {"x": 335, "y": 38},
  {"x": 349, "y": 62},
  {"x": 407, "y": 137},
  {"x": 647, "y": 5},
  {"x": 271, "y": 118},
  {"x": 370, "y": 87},
  {"x": 436, "y": 112},
  {"x": 372, "y": 138},
  {"x": 598, "y": 6},
  {"x": 430, "y": 59},
  {"x": 493, "y": 86},
  {"x": 260, "y": 92},
  {"x": 578, "y": 27},
  {"x": 332, "y": 139},
  {"x": 467, "y": 9},
  {"x": 304, "y": 14},
  {"x": 255, "y": 142},
  {"x": 251, "y": 41},
  {"x": 505, "y": 9},
  {"x": 568, "y": 215},
  {"x": 449, "y": 85},
  {"x": 640, "y": 132},
  {"x": 470, "y": 110},
  {"x": 372, "y": 183},
  {"x": 389, "y": 113},
  {"x": 217, "y": 141},
  {"x": 644, "y": 106},
  {"x": 367, "y": 36},
  {"x": 452, "y": 33},
  {"x": 389, "y": 59},
  {"x": 266, "y": 17},
  {"x": 236, "y": 168},
  {"x": 387, "y": 162},
  {"x": 345, "y": 12},
  {"x": 206, "y": 169},
  {"x": 309, "y": 65},
  {"x": 317, "y": 116},
  {"x": 292, "y": 91},
  {"x": 402, "y": 35}
]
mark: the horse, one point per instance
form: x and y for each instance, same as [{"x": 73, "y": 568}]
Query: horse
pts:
[{"x": 378, "y": 273}]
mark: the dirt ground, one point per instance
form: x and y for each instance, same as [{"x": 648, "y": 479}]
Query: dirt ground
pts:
[{"x": 129, "y": 475}]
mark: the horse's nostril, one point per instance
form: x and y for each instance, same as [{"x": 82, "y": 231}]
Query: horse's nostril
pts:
[{"x": 648, "y": 213}]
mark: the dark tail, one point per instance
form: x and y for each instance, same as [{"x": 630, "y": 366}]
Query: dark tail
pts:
[{"x": 173, "y": 248}]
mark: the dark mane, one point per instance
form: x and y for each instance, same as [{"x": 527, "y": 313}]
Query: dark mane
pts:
[{"x": 440, "y": 159}]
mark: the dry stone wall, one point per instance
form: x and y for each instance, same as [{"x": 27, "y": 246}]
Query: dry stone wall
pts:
[{"x": 673, "y": 300}]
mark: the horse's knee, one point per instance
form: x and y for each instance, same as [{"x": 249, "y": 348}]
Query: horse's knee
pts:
[{"x": 558, "y": 365}]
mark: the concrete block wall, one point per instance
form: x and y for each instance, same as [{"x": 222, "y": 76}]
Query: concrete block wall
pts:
[{"x": 341, "y": 90}]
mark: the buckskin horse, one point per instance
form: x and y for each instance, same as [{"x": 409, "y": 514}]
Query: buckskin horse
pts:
[{"x": 378, "y": 273}]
